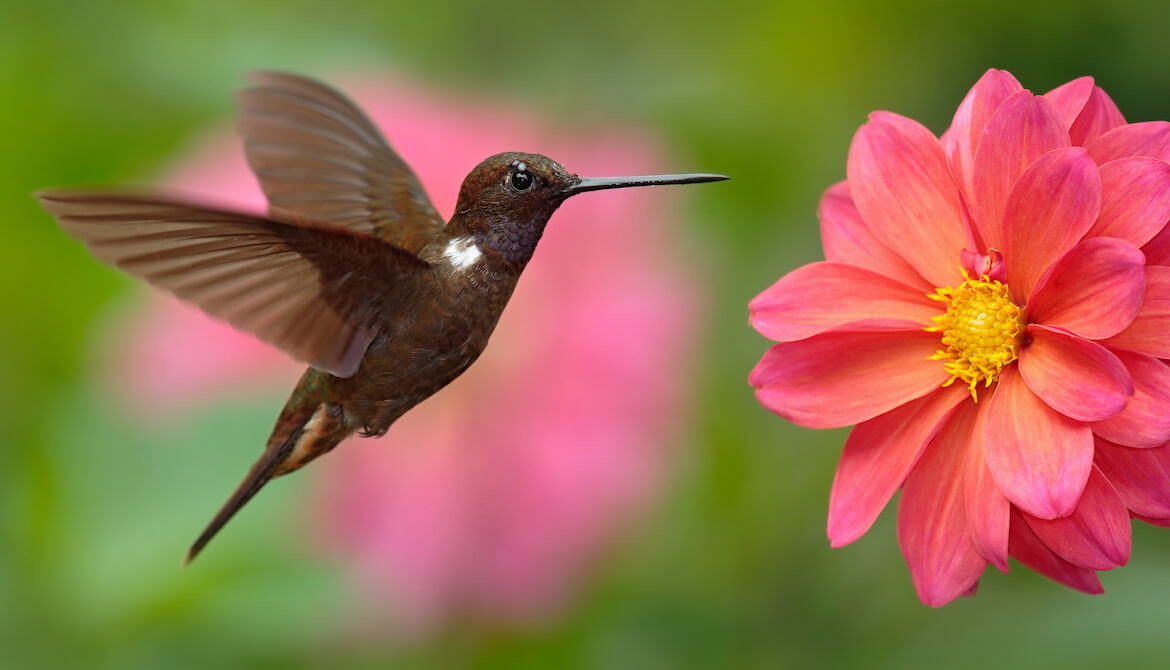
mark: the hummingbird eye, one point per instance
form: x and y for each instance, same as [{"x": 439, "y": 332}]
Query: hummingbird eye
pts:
[{"x": 520, "y": 179}]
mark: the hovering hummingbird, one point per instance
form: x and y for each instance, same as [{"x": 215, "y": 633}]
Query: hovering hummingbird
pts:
[{"x": 353, "y": 271}]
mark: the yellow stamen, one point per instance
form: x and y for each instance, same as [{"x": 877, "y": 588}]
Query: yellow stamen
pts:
[{"x": 981, "y": 331}]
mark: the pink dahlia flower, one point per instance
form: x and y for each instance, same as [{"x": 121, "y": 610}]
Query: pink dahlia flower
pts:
[
  {"x": 991, "y": 315},
  {"x": 494, "y": 496}
]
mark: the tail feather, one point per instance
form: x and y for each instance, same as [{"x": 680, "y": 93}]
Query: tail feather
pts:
[
  {"x": 262, "y": 471},
  {"x": 308, "y": 426}
]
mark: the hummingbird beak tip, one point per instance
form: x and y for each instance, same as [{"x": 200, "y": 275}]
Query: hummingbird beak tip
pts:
[{"x": 584, "y": 184}]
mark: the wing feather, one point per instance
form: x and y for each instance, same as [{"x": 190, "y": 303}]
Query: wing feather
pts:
[
  {"x": 318, "y": 156},
  {"x": 313, "y": 292}
]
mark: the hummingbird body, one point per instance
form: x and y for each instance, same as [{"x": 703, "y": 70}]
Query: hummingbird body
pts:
[
  {"x": 443, "y": 317},
  {"x": 352, "y": 271},
  {"x": 409, "y": 360}
]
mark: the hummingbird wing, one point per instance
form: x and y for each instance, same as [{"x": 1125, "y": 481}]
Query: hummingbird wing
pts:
[
  {"x": 317, "y": 155},
  {"x": 313, "y": 292}
]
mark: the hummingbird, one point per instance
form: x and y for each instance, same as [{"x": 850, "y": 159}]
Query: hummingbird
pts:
[{"x": 352, "y": 270}]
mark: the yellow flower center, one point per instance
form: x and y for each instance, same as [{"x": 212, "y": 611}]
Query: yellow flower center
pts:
[{"x": 981, "y": 331}]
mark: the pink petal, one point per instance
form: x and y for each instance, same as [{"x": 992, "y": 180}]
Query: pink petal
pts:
[
  {"x": 1096, "y": 535},
  {"x": 987, "y": 508},
  {"x": 1032, "y": 552},
  {"x": 962, "y": 138},
  {"x": 1151, "y": 138},
  {"x": 819, "y": 296},
  {"x": 932, "y": 518},
  {"x": 1076, "y": 377},
  {"x": 1069, "y": 99},
  {"x": 901, "y": 185},
  {"x": 840, "y": 378},
  {"x": 846, "y": 239},
  {"x": 1039, "y": 458},
  {"x": 1023, "y": 128},
  {"x": 1095, "y": 290},
  {"x": 1099, "y": 116},
  {"x": 1164, "y": 523},
  {"x": 1141, "y": 476},
  {"x": 1157, "y": 250},
  {"x": 1135, "y": 199},
  {"x": 1051, "y": 207},
  {"x": 1150, "y": 331},
  {"x": 976, "y": 264},
  {"x": 877, "y": 457},
  {"x": 1145, "y": 421}
]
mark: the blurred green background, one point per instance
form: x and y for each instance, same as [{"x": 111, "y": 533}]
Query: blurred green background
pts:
[{"x": 732, "y": 569}]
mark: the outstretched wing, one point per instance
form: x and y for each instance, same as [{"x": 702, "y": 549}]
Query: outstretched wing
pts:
[
  {"x": 315, "y": 294},
  {"x": 317, "y": 155}
]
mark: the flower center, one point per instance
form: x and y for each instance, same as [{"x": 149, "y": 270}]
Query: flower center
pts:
[{"x": 981, "y": 331}]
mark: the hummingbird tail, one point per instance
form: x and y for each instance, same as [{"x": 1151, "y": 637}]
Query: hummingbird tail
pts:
[
  {"x": 257, "y": 477},
  {"x": 310, "y": 428}
]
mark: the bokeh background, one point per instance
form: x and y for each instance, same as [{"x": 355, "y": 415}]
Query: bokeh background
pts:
[{"x": 725, "y": 562}]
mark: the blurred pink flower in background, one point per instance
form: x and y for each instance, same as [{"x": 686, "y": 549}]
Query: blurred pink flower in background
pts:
[
  {"x": 490, "y": 499},
  {"x": 988, "y": 319}
]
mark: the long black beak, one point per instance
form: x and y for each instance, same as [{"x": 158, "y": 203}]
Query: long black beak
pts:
[{"x": 599, "y": 183}]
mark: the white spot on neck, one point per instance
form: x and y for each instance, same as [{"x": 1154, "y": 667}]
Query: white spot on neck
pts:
[{"x": 462, "y": 253}]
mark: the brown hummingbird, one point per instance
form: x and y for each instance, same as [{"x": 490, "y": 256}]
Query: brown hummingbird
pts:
[{"x": 353, "y": 271}]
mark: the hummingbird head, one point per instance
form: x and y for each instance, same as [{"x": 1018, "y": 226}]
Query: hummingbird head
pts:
[{"x": 507, "y": 199}]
